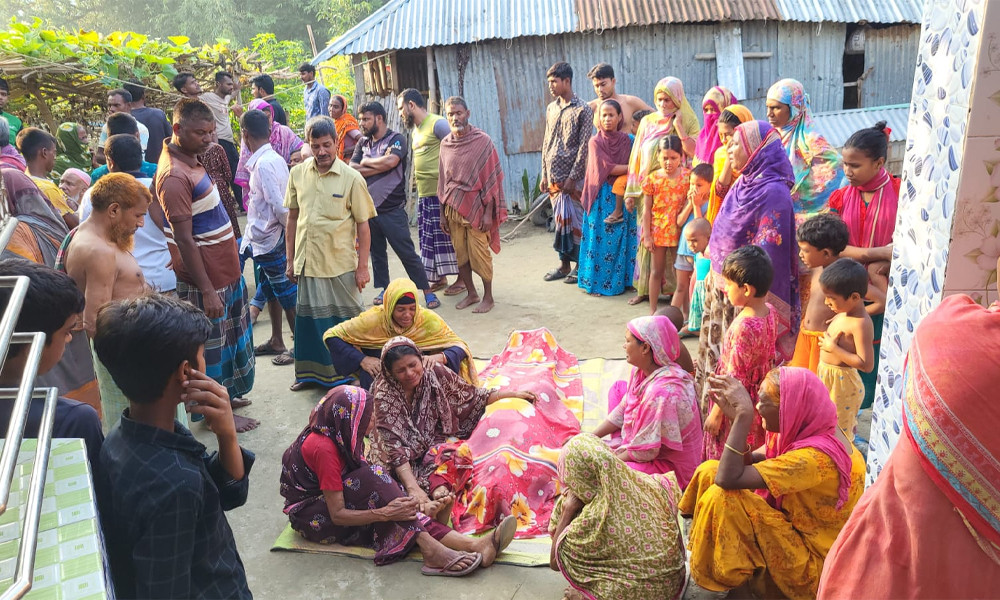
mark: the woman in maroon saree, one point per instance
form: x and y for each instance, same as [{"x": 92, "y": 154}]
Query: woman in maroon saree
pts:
[{"x": 332, "y": 495}]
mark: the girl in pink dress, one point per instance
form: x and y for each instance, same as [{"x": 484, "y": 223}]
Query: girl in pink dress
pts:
[
  {"x": 748, "y": 348},
  {"x": 653, "y": 418}
]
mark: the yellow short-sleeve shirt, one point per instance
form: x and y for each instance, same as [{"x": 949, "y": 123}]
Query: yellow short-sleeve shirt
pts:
[{"x": 330, "y": 206}]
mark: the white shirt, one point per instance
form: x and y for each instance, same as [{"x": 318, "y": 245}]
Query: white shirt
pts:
[
  {"x": 143, "y": 135},
  {"x": 266, "y": 213},
  {"x": 150, "y": 249}
]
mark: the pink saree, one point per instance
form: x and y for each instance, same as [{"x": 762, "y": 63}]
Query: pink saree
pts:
[{"x": 516, "y": 445}]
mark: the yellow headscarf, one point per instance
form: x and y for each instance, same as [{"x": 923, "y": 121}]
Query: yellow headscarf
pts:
[
  {"x": 373, "y": 328},
  {"x": 715, "y": 201}
]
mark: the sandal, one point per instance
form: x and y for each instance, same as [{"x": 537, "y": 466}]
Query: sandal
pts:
[
  {"x": 503, "y": 535},
  {"x": 298, "y": 386},
  {"x": 554, "y": 274},
  {"x": 440, "y": 284},
  {"x": 571, "y": 278},
  {"x": 285, "y": 358},
  {"x": 432, "y": 300},
  {"x": 266, "y": 349},
  {"x": 378, "y": 299},
  {"x": 446, "y": 571}
]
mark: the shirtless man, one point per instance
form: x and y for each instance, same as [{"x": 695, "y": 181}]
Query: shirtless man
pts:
[
  {"x": 603, "y": 77},
  {"x": 98, "y": 253}
]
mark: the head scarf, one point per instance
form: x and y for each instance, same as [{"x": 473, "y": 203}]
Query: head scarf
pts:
[
  {"x": 40, "y": 230},
  {"x": 660, "y": 334},
  {"x": 950, "y": 411},
  {"x": 606, "y": 150},
  {"x": 78, "y": 174},
  {"x": 12, "y": 158},
  {"x": 626, "y": 531},
  {"x": 72, "y": 152},
  {"x": 283, "y": 141},
  {"x": 342, "y": 416},
  {"x": 714, "y": 198},
  {"x": 816, "y": 163},
  {"x": 373, "y": 328},
  {"x": 655, "y": 126},
  {"x": 808, "y": 420},
  {"x": 344, "y": 124},
  {"x": 718, "y": 98},
  {"x": 442, "y": 405},
  {"x": 758, "y": 210}
]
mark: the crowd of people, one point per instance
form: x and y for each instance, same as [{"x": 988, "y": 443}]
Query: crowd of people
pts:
[{"x": 773, "y": 250}]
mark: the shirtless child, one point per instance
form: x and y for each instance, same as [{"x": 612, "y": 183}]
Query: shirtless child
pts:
[{"x": 848, "y": 345}]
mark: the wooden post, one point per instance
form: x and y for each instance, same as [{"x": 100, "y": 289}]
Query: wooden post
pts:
[
  {"x": 394, "y": 73},
  {"x": 312, "y": 43},
  {"x": 432, "y": 100},
  {"x": 359, "y": 79},
  {"x": 43, "y": 106}
]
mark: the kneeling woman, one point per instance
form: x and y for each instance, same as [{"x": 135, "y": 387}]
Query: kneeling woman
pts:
[
  {"x": 333, "y": 495},
  {"x": 654, "y": 418},
  {"x": 807, "y": 478},
  {"x": 423, "y": 412},
  {"x": 355, "y": 345}
]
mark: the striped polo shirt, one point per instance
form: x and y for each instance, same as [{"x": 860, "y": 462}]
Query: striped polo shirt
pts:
[{"x": 187, "y": 193}]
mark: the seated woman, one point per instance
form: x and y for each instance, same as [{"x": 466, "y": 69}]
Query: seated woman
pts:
[
  {"x": 654, "y": 417},
  {"x": 603, "y": 543},
  {"x": 769, "y": 517},
  {"x": 356, "y": 345},
  {"x": 333, "y": 495},
  {"x": 422, "y": 414}
]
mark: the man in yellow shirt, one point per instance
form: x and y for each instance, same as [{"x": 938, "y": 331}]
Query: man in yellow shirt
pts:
[
  {"x": 328, "y": 209},
  {"x": 39, "y": 150}
]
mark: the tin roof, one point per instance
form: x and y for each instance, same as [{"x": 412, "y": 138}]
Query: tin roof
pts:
[
  {"x": 406, "y": 24},
  {"x": 838, "y": 126}
]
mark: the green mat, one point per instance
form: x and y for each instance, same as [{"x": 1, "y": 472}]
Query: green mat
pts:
[{"x": 598, "y": 376}]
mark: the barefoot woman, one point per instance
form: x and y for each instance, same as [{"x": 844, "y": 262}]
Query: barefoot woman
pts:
[{"x": 333, "y": 495}]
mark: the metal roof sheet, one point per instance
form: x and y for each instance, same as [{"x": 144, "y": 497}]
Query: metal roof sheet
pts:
[
  {"x": 838, "y": 126},
  {"x": 405, "y": 24},
  {"x": 852, "y": 11}
]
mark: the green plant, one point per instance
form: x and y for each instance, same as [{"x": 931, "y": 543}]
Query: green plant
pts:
[{"x": 529, "y": 190}]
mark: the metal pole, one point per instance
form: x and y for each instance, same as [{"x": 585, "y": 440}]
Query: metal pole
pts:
[{"x": 19, "y": 416}]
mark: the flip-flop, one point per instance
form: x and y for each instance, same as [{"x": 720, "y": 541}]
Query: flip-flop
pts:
[
  {"x": 445, "y": 570},
  {"x": 265, "y": 349},
  {"x": 503, "y": 535},
  {"x": 240, "y": 402},
  {"x": 455, "y": 289},
  {"x": 378, "y": 299},
  {"x": 298, "y": 386},
  {"x": 439, "y": 285},
  {"x": 432, "y": 300},
  {"x": 285, "y": 358},
  {"x": 554, "y": 274}
]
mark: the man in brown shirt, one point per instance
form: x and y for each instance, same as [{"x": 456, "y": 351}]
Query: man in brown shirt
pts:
[{"x": 204, "y": 253}]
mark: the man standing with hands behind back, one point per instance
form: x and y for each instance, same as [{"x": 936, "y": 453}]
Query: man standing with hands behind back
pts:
[{"x": 328, "y": 209}]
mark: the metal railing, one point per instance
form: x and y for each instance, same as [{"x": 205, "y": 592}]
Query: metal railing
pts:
[{"x": 22, "y": 395}]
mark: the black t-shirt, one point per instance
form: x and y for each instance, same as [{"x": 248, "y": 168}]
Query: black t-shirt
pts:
[
  {"x": 279, "y": 113},
  {"x": 388, "y": 189},
  {"x": 159, "y": 129},
  {"x": 72, "y": 420}
]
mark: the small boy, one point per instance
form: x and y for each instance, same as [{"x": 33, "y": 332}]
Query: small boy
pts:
[
  {"x": 697, "y": 234},
  {"x": 848, "y": 345},
  {"x": 53, "y": 305},
  {"x": 697, "y": 202},
  {"x": 166, "y": 533},
  {"x": 821, "y": 240}
]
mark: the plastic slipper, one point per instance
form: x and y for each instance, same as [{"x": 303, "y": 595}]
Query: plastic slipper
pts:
[
  {"x": 571, "y": 278},
  {"x": 554, "y": 274},
  {"x": 455, "y": 289},
  {"x": 432, "y": 300},
  {"x": 503, "y": 535},
  {"x": 446, "y": 572},
  {"x": 378, "y": 299},
  {"x": 265, "y": 349},
  {"x": 285, "y": 358},
  {"x": 439, "y": 285}
]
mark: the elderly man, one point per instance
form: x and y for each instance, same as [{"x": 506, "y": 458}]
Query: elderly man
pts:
[
  {"x": 470, "y": 187},
  {"x": 120, "y": 101},
  {"x": 436, "y": 250},
  {"x": 329, "y": 208},
  {"x": 204, "y": 252}
]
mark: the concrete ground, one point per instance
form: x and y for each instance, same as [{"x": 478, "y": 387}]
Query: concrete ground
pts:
[{"x": 586, "y": 326}]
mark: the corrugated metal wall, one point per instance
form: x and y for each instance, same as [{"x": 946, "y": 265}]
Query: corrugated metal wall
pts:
[
  {"x": 891, "y": 53},
  {"x": 506, "y": 91}
]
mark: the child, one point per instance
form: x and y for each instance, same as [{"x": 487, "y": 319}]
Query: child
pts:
[
  {"x": 848, "y": 345},
  {"x": 697, "y": 234},
  {"x": 697, "y": 203},
  {"x": 166, "y": 533},
  {"x": 618, "y": 187},
  {"x": 53, "y": 305},
  {"x": 748, "y": 348},
  {"x": 868, "y": 205},
  {"x": 664, "y": 194}
]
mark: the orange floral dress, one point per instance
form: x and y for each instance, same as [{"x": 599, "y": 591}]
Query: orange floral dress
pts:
[{"x": 669, "y": 197}]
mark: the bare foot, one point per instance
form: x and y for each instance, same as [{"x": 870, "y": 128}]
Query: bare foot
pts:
[
  {"x": 254, "y": 313},
  {"x": 571, "y": 594},
  {"x": 492, "y": 545},
  {"x": 484, "y": 307},
  {"x": 637, "y": 300},
  {"x": 245, "y": 424},
  {"x": 455, "y": 289},
  {"x": 467, "y": 301},
  {"x": 239, "y": 402}
]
